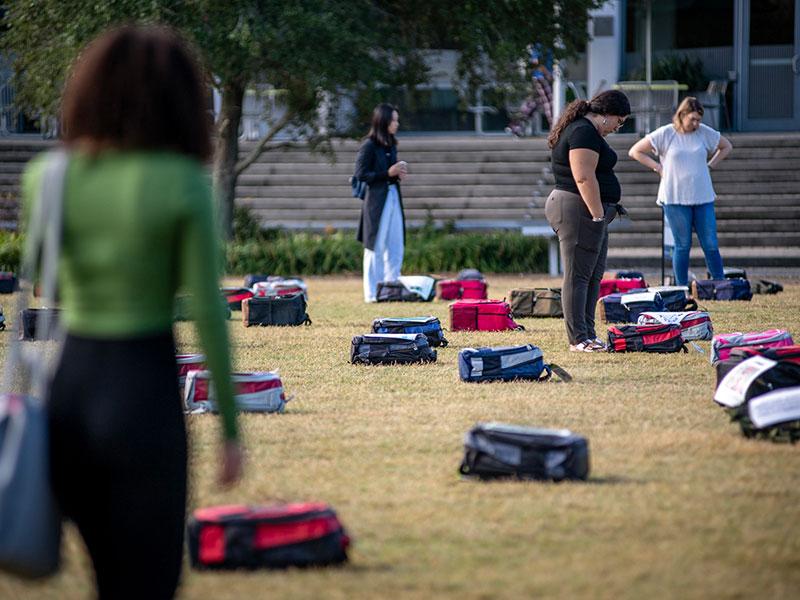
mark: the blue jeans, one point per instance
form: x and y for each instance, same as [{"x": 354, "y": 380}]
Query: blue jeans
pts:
[{"x": 700, "y": 217}]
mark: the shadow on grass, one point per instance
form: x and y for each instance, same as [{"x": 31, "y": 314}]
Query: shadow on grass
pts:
[
  {"x": 613, "y": 480},
  {"x": 608, "y": 480},
  {"x": 292, "y": 412},
  {"x": 351, "y": 567}
]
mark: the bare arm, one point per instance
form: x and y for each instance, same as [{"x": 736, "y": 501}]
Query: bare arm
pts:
[
  {"x": 642, "y": 152},
  {"x": 723, "y": 149},
  {"x": 583, "y": 163}
]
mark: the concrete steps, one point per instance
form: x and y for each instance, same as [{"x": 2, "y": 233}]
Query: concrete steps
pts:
[{"x": 498, "y": 181}]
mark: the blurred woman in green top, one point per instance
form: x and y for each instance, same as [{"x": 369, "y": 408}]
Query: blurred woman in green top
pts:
[{"x": 138, "y": 225}]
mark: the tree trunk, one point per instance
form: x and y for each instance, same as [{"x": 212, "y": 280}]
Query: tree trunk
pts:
[{"x": 226, "y": 153}]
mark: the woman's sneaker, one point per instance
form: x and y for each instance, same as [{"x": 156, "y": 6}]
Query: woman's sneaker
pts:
[
  {"x": 587, "y": 346},
  {"x": 599, "y": 342}
]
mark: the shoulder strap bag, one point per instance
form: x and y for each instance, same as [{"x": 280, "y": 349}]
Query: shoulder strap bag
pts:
[{"x": 30, "y": 522}]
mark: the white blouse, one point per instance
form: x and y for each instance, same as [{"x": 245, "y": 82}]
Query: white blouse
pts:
[{"x": 684, "y": 157}]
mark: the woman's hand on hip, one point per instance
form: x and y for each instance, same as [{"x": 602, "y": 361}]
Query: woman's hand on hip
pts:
[{"x": 231, "y": 463}]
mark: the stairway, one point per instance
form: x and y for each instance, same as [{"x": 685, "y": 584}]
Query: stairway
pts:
[{"x": 502, "y": 182}]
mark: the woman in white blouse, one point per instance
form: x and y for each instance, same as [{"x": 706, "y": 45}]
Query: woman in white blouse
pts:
[{"x": 687, "y": 151}]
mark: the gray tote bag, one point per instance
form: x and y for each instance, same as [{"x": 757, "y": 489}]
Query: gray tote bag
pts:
[{"x": 30, "y": 522}]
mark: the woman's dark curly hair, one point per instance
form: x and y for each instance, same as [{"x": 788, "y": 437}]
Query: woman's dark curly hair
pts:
[
  {"x": 138, "y": 88},
  {"x": 611, "y": 102}
]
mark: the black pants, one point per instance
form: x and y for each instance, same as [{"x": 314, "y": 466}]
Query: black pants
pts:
[
  {"x": 584, "y": 245},
  {"x": 118, "y": 459}
]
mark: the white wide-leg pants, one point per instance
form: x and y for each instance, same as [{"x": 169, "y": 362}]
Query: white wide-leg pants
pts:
[{"x": 384, "y": 262}]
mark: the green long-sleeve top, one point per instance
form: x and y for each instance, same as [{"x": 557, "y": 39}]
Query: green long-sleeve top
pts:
[{"x": 137, "y": 227}]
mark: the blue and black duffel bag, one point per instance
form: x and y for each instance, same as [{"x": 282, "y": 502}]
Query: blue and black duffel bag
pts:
[
  {"x": 626, "y": 308},
  {"x": 430, "y": 326},
  {"x": 506, "y": 363}
]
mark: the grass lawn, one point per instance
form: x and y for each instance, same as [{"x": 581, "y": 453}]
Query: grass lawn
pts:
[{"x": 678, "y": 505}]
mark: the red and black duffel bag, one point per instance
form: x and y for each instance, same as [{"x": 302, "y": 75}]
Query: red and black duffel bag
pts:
[
  {"x": 737, "y": 356},
  {"x": 646, "y": 338},
  {"x": 482, "y": 315},
  {"x": 235, "y": 295},
  {"x": 273, "y": 537}
]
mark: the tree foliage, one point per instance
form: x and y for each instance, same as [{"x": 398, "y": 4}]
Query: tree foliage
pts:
[{"x": 310, "y": 50}]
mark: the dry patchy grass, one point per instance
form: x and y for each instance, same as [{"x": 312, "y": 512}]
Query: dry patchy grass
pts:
[{"x": 678, "y": 504}]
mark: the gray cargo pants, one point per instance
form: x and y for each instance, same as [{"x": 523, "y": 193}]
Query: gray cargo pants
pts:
[{"x": 584, "y": 245}]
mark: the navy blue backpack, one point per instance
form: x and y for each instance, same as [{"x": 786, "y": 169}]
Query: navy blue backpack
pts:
[
  {"x": 723, "y": 289},
  {"x": 626, "y": 307},
  {"x": 506, "y": 363},
  {"x": 430, "y": 326},
  {"x": 359, "y": 188}
]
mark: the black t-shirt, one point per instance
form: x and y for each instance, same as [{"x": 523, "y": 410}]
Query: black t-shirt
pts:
[{"x": 582, "y": 134}]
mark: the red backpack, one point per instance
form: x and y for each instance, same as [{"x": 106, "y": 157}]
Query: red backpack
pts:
[
  {"x": 467, "y": 289},
  {"x": 482, "y": 315},
  {"x": 280, "y": 536}
]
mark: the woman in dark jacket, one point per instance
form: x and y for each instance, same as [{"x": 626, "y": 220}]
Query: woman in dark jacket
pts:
[
  {"x": 583, "y": 203},
  {"x": 382, "y": 226}
]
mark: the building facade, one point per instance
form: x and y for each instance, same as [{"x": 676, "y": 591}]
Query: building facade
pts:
[{"x": 749, "y": 49}]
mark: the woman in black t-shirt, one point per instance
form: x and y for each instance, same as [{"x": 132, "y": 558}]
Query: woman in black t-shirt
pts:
[{"x": 582, "y": 204}]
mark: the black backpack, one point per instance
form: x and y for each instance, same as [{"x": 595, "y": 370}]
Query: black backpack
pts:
[
  {"x": 470, "y": 274},
  {"x": 493, "y": 450},
  {"x": 30, "y": 317},
  {"x": 275, "y": 310},
  {"x": 782, "y": 375},
  {"x": 8, "y": 282},
  {"x": 764, "y": 286},
  {"x": 391, "y": 348}
]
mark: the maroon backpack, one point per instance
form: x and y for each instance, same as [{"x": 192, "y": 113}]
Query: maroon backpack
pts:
[
  {"x": 646, "y": 338},
  {"x": 482, "y": 315},
  {"x": 284, "y": 535}
]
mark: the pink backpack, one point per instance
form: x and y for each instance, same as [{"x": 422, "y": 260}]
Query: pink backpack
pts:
[
  {"x": 466, "y": 289},
  {"x": 721, "y": 345},
  {"x": 481, "y": 315},
  {"x": 612, "y": 286}
]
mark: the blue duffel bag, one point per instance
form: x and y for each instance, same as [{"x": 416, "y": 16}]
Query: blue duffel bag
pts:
[
  {"x": 506, "y": 363},
  {"x": 430, "y": 326},
  {"x": 723, "y": 289}
]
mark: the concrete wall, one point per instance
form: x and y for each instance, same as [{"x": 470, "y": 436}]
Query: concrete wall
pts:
[{"x": 603, "y": 49}]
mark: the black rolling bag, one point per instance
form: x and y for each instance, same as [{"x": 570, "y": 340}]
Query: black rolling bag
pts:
[{"x": 493, "y": 450}]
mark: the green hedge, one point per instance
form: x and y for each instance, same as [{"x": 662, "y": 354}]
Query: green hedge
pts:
[
  {"x": 10, "y": 251},
  {"x": 426, "y": 251}
]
